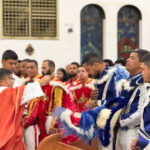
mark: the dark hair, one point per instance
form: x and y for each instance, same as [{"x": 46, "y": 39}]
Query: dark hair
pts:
[
  {"x": 65, "y": 77},
  {"x": 9, "y": 54},
  {"x": 146, "y": 60},
  {"x": 110, "y": 62},
  {"x": 33, "y": 61},
  {"x": 141, "y": 53},
  {"x": 75, "y": 63},
  {"x": 91, "y": 58},
  {"x": 50, "y": 63},
  {"x": 25, "y": 60},
  {"x": 121, "y": 61},
  {"x": 4, "y": 73},
  {"x": 80, "y": 66},
  {"x": 19, "y": 61}
]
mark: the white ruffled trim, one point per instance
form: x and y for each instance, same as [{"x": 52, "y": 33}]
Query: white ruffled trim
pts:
[
  {"x": 77, "y": 115},
  {"x": 127, "y": 86},
  {"x": 103, "y": 116},
  {"x": 105, "y": 77},
  {"x": 65, "y": 117},
  {"x": 59, "y": 84},
  {"x": 123, "y": 83},
  {"x": 76, "y": 87},
  {"x": 90, "y": 85},
  {"x": 119, "y": 86}
]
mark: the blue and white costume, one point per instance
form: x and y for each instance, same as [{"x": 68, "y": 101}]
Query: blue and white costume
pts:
[
  {"x": 106, "y": 83},
  {"x": 144, "y": 131},
  {"x": 88, "y": 128},
  {"x": 133, "y": 90}
]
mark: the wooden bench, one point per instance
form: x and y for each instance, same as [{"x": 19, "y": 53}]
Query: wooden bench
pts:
[
  {"x": 53, "y": 142},
  {"x": 84, "y": 145}
]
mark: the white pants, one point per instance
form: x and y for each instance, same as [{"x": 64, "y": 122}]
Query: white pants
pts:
[
  {"x": 109, "y": 147},
  {"x": 29, "y": 137},
  {"x": 48, "y": 123},
  {"x": 125, "y": 137}
]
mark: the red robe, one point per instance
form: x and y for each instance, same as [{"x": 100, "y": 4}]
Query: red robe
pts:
[
  {"x": 58, "y": 95},
  {"x": 81, "y": 94},
  {"x": 10, "y": 119}
]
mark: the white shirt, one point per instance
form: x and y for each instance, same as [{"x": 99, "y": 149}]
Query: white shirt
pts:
[{"x": 17, "y": 81}]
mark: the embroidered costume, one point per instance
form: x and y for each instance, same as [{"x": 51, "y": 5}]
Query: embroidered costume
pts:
[
  {"x": 81, "y": 93},
  {"x": 144, "y": 132},
  {"x": 134, "y": 92}
]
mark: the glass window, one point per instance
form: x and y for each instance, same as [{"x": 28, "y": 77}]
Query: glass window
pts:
[
  {"x": 91, "y": 29},
  {"x": 128, "y": 30}
]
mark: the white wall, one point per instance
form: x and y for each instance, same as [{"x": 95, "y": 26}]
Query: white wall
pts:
[{"x": 67, "y": 48}]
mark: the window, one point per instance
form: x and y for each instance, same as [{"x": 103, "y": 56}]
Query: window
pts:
[
  {"x": 30, "y": 18},
  {"x": 128, "y": 30},
  {"x": 91, "y": 29}
]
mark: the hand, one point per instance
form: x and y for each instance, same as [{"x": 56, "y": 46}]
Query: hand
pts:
[
  {"x": 45, "y": 80},
  {"x": 94, "y": 94},
  {"x": 52, "y": 131},
  {"x": 93, "y": 104},
  {"x": 24, "y": 81},
  {"x": 135, "y": 144}
]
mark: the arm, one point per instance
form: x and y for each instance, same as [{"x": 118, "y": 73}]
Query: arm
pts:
[
  {"x": 135, "y": 144},
  {"x": 32, "y": 114},
  {"x": 134, "y": 119}
]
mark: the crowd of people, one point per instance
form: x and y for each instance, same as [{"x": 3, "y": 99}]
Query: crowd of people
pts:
[{"x": 97, "y": 99}]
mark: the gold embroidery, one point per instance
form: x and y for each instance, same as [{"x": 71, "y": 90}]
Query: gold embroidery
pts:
[
  {"x": 46, "y": 98},
  {"x": 82, "y": 99},
  {"x": 18, "y": 91},
  {"x": 32, "y": 105},
  {"x": 50, "y": 103}
]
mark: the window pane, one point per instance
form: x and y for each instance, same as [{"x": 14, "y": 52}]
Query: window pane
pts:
[
  {"x": 43, "y": 18},
  {"x": 15, "y": 18},
  {"x": 91, "y": 29},
  {"x": 129, "y": 12}
]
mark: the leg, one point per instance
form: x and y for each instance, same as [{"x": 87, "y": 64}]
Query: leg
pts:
[
  {"x": 109, "y": 147},
  {"x": 125, "y": 137},
  {"x": 29, "y": 137}
]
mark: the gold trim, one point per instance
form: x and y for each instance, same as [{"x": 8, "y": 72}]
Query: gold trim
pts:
[
  {"x": 32, "y": 105},
  {"x": 50, "y": 103},
  {"x": 17, "y": 98},
  {"x": 1, "y": 19}
]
